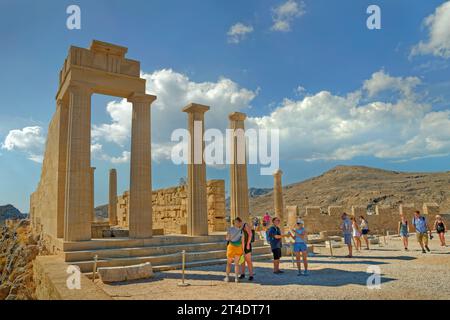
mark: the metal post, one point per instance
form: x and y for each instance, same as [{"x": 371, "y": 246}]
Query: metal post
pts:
[
  {"x": 183, "y": 259},
  {"x": 95, "y": 268}
]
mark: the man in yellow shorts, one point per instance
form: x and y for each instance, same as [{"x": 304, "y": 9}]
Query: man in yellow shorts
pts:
[{"x": 235, "y": 248}]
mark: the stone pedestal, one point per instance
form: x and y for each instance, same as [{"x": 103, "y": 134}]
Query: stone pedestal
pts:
[
  {"x": 278, "y": 196},
  {"x": 197, "y": 214},
  {"x": 140, "y": 223},
  {"x": 112, "y": 205},
  {"x": 238, "y": 169},
  {"x": 78, "y": 211}
]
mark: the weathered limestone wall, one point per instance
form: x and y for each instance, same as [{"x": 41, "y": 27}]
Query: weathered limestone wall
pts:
[
  {"x": 170, "y": 208},
  {"x": 44, "y": 201}
]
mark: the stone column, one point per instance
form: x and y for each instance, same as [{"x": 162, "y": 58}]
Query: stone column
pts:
[
  {"x": 63, "y": 123},
  {"x": 140, "y": 210},
  {"x": 238, "y": 169},
  {"x": 92, "y": 199},
  {"x": 197, "y": 214},
  {"x": 278, "y": 196},
  {"x": 112, "y": 206},
  {"x": 78, "y": 212}
]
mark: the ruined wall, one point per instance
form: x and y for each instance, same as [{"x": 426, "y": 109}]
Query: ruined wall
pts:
[
  {"x": 46, "y": 205},
  {"x": 170, "y": 208},
  {"x": 384, "y": 219}
]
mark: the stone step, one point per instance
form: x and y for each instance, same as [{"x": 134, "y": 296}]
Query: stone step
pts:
[
  {"x": 111, "y": 243},
  {"x": 198, "y": 263},
  {"x": 85, "y": 255},
  {"x": 160, "y": 260}
]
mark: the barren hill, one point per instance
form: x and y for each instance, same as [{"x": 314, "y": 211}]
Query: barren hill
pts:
[{"x": 356, "y": 185}]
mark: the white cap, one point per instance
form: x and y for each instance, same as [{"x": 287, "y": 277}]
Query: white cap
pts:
[{"x": 300, "y": 222}]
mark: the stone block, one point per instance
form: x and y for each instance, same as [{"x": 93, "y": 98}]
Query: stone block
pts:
[{"x": 125, "y": 273}]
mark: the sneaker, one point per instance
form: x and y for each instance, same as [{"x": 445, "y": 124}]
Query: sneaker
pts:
[
  {"x": 406, "y": 249},
  {"x": 278, "y": 272},
  {"x": 227, "y": 279},
  {"x": 242, "y": 276},
  {"x": 299, "y": 273},
  {"x": 423, "y": 251},
  {"x": 236, "y": 279},
  {"x": 250, "y": 278},
  {"x": 305, "y": 273},
  {"x": 428, "y": 249}
]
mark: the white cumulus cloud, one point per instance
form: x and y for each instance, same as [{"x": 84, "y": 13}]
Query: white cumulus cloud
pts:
[
  {"x": 325, "y": 126},
  {"x": 29, "y": 140},
  {"x": 285, "y": 13},
  {"x": 238, "y": 32},
  {"x": 438, "y": 42},
  {"x": 174, "y": 91}
]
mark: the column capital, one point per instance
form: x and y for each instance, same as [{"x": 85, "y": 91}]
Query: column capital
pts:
[
  {"x": 237, "y": 116},
  {"x": 278, "y": 173},
  {"x": 195, "y": 108},
  {"x": 141, "y": 97}
]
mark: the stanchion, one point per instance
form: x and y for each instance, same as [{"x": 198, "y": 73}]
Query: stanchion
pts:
[
  {"x": 94, "y": 271},
  {"x": 331, "y": 247},
  {"x": 183, "y": 283}
]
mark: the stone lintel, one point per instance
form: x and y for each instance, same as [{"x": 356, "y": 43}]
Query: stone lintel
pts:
[
  {"x": 237, "y": 116},
  {"x": 195, "y": 108},
  {"x": 108, "y": 48}
]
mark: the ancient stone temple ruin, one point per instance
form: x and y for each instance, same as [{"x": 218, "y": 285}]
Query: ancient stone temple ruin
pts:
[{"x": 143, "y": 225}]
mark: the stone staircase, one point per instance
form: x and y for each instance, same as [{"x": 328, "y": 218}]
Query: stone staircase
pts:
[{"x": 164, "y": 253}]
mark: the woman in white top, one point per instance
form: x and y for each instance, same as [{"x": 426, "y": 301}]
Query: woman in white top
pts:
[
  {"x": 356, "y": 233},
  {"x": 365, "y": 230}
]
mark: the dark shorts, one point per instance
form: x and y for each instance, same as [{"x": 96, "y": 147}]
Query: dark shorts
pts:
[
  {"x": 247, "y": 251},
  {"x": 276, "y": 253},
  {"x": 365, "y": 232}
]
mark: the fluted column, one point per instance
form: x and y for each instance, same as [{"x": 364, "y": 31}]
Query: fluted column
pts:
[
  {"x": 112, "y": 206},
  {"x": 238, "y": 168},
  {"x": 278, "y": 196},
  {"x": 78, "y": 213},
  {"x": 197, "y": 214},
  {"x": 62, "y": 110},
  {"x": 92, "y": 199},
  {"x": 140, "y": 206}
]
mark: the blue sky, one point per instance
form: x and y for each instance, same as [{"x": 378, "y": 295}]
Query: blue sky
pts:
[{"x": 339, "y": 92}]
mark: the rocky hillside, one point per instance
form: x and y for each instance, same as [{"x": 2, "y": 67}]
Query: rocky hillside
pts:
[
  {"x": 352, "y": 185},
  {"x": 10, "y": 212},
  {"x": 18, "y": 248}
]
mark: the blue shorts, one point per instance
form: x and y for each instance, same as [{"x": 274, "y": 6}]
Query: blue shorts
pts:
[
  {"x": 348, "y": 239},
  {"x": 300, "y": 247},
  {"x": 404, "y": 234}
]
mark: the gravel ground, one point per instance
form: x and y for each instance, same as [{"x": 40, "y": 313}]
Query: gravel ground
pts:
[{"x": 405, "y": 275}]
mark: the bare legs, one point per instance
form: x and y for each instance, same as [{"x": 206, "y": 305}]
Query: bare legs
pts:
[
  {"x": 249, "y": 263},
  {"x": 405, "y": 242},
  {"x": 303, "y": 255},
  {"x": 442, "y": 238},
  {"x": 366, "y": 240},
  {"x": 236, "y": 267},
  {"x": 357, "y": 243}
]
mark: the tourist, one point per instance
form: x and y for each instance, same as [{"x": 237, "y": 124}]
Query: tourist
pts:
[
  {"x": 365, "y": 231},
  {"x": 441, "y": 228},
  {"x": 275, "y": 239},
  {"x": 235, "y": 248},
  {"x": 300, "y": 246},
  {"x": 256, "y": 223},
  {"x": 347, "y": 231},
  {"x": 248, "y": 239},
  {"x": 421, "y": 226},
  {"x": 266, "y": 220},
  {"x": 356, "y": 233},
  {"x": 403, "y": 231}
]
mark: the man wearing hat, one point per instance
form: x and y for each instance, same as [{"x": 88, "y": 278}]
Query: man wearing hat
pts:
[{"x": 300, "y": 246}]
